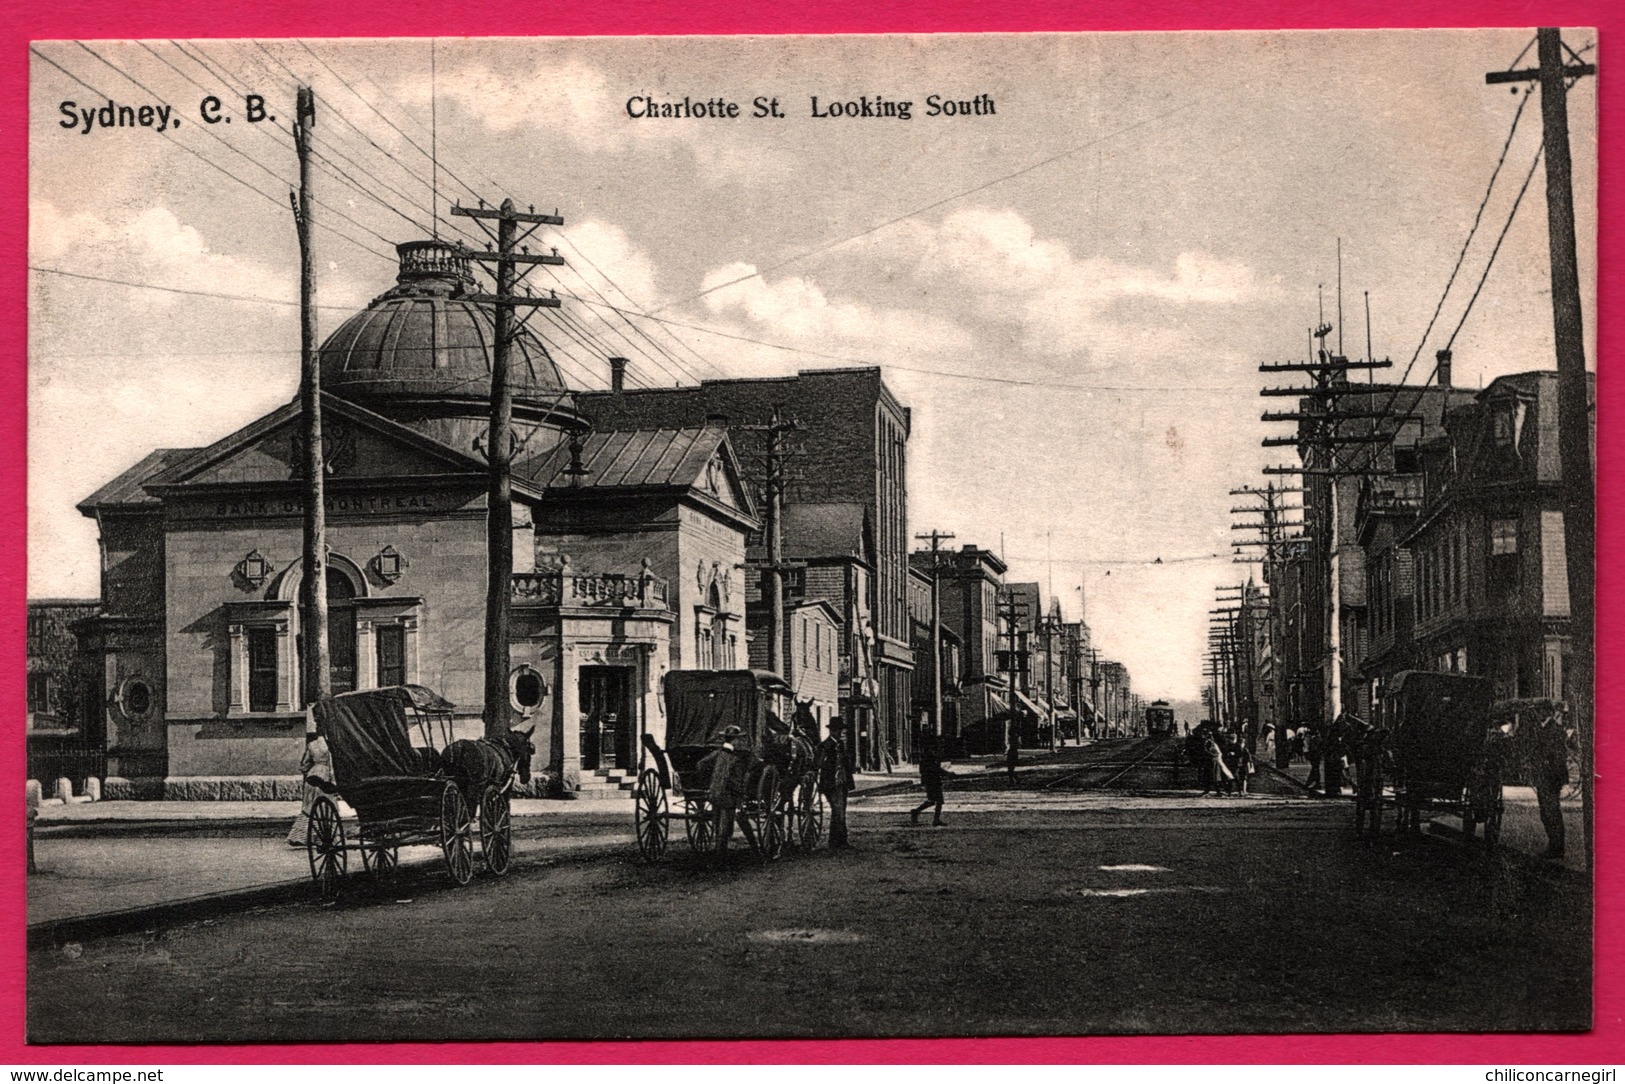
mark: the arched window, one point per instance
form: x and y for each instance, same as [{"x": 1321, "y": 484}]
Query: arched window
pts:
[{"x": 717, "y": 638}]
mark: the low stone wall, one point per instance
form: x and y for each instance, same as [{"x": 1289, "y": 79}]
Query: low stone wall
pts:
[{"x": 264, "y": 788}]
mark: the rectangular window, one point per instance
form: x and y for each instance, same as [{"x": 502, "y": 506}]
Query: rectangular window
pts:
[
  {"x": 262, "y": 668},
  {"x": 391, "y": 642},
  {"x": 1503, "y": 537},
  {"x": 39, "y": 692}
]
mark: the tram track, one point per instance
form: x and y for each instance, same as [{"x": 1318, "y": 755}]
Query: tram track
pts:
[{"x": 1152, "y": 747}]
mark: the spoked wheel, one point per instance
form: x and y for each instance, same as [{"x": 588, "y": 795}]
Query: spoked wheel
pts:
[
  {"x": 456, "y": 835},
  {"x": 767, "y": 817},
  {"x": 496, "y": 830},
  {"x": 702, "y": 825},
  {"x": 324, "y": 846},
  {"x": 809, "y": 815},
  {"x": 651, "y": 819},
  {"x": 380, "y": 860}
]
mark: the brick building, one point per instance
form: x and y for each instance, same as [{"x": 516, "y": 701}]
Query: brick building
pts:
[
  {"x": 850, "y": 451},
  {"x": 969, "y": 581}
]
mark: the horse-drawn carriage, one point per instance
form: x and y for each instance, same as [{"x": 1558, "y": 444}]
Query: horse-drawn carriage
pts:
[
  {"x": 395, "y": 764},
  {"x": 1434, "y": 750},
  {"x": 781, "y": 808}
]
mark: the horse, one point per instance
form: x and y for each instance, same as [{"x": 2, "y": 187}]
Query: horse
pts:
[{"x": 477, "y": 763}]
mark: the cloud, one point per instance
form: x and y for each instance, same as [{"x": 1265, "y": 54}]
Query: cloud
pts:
[
  {"x": 797, "y": 311},
  {"x": 574, "y": 99}
]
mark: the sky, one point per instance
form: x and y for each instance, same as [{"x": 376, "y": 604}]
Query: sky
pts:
[{"x": 1072, "y": 291}]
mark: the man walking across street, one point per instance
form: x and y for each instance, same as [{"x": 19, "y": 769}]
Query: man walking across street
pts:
[
  {"x": 931, "y": 773},
  {"x": 1012, "y": 754},
  {"x": 835, "y": 780}
]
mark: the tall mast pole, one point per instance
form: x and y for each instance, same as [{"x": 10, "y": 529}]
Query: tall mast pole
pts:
[{"x": 313, "y": 580}]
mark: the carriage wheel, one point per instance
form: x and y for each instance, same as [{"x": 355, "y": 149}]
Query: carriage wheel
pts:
[
  {"x": 702, "y": 825},
  {"x": 456, "y": 835},
  {"x": 324, "y": 846},
  {"x": 380, "y": 860},
  {"x": 496, "y": 831},
  {"x": 767, "y": 817},
  {"x": 810, "y": 820},
  {"x": 651, "y": 819}
]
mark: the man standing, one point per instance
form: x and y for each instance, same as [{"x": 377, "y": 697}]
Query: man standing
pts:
[
  {"x": 835, "y": 780},
  {"x": 726, "y": 767},
  {"x": 929, "y": 750},
  {"x": 1548, "y": 772}
]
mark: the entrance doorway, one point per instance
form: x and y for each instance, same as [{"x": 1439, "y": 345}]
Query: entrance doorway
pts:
[{"x": 608, "y": 724}]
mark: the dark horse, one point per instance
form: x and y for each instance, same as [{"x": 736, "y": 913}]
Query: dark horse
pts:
[{"x": 481, "y": 762}]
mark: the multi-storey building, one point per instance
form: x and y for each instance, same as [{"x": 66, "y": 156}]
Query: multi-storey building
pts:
[
  {"x": 1490, "y": 580},
  {"x": 969, "y": 579},
  {"x": 850, "y": 449}
]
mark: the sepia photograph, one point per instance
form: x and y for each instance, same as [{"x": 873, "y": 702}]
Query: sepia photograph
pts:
[{"x": 811, "y": 537}]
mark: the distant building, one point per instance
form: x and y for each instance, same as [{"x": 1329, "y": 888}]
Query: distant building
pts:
[
  {"x": 970, "y": 578},
  {"x": 64, "y": 724}
]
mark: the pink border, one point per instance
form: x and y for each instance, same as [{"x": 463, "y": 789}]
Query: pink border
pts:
[{"x": 22, "y": 22}]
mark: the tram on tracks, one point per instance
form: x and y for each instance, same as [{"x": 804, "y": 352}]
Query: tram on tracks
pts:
[{"x": 1159, "y": 719}]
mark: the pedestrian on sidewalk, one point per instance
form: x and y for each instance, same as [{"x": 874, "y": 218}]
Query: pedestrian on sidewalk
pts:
[
  {"x": 1220, "y": 774},
  {"x": 1314, "y": 747},
  {"x": 728, "y": 766},
  {"x": 316, "y": 767},
  {"x": 835, "y": 780},
  {"x": 1548, "y": 773},
  {"x": 1012, "y": 755},
  {"x": 1332, "y": 751},
  {"x": 1243, "y": 758},
  {"x": 931, "y": 773}
]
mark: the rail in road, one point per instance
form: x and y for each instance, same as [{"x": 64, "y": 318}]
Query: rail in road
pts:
[{"x": 1150, "y": 765}]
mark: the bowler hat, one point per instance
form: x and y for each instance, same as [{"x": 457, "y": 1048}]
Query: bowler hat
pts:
[{"x": 837, "y": 724}]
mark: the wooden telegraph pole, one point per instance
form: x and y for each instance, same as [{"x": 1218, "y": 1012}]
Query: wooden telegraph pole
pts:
[
  {"x": 313, "y": 579},
  {"x": 936, "y": 538},
  {"x": 500, "y": 441},
  {"x": 1573, "y": 386}
]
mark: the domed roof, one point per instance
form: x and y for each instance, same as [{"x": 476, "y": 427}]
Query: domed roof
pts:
[{"x": 425, "y": 339}]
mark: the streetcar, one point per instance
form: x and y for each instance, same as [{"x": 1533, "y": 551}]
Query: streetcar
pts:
[{"x": 1159, "y": 719}]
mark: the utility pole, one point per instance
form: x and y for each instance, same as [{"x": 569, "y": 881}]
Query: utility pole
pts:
[
  {"x": 936, "y": 538},
  {"x": 776, "y": 479},
  {"x": 1094, "y": 688},
  {"x": 500, "y": 439},
  {"x": 1319, "y": 437},
  {"x": 1573, "y": 387},
  {"x": 1012, "y": 609},
  {"x": 318, "y": 678}
]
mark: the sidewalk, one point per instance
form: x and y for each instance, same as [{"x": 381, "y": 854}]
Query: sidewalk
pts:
[{"x": 1521, "y": 830}]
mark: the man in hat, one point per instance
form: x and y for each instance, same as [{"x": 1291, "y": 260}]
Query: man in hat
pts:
[
  {"x": 728, "y": 765},
  {"x": 835, "y": 779}
]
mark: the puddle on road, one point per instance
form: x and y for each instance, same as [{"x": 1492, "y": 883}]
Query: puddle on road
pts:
[
  {"x": 807, "y": 937},
  {"x": 1133, "y": 867},
  {"x": 1119, "y": 893}
]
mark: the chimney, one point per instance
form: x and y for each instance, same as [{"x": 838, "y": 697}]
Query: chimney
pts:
[
  {"x": 617, "y": 375},
  {"x": 1443, "y": 371}
]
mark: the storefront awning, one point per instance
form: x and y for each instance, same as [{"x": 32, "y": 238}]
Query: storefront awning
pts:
[{"x": 1027, "y": 703}]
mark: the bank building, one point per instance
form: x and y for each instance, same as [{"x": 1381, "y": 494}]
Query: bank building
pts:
[{"x": 629, "y": 560}]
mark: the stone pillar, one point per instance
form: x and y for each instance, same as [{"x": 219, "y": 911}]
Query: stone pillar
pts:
[
  {"x": 287, "y": 670},
  {"x": 239, "y": 669},
  {"x": 409, "y": 626},
  {"x": 366, "y": 656}
]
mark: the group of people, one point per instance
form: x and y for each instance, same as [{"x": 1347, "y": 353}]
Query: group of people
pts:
[
  {"x": 1223, "y": 762},
  {"x": 728, "y": 766}
]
